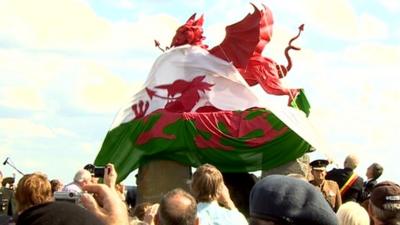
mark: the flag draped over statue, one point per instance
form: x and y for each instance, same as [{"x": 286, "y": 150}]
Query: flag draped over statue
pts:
[{"x": 197, "y": 107}]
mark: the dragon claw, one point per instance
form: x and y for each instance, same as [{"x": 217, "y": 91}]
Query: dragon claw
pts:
[{"x": 140, "y": 109}]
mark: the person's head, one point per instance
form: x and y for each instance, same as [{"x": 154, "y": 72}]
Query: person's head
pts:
[
  {"x": 32, "y": 189},
  {"x": 206, "y": 183},
  {"x": 384, "y": 203},
  {"x": 351, "y": 162},
  {"x": 140, "y": 210},
  {"x": 351, "y": 213},
  {"x": 374, "y": 171},
  {"x": 56, "y": 185},
  {"x": 82, "y": 177},
  {"x": 278, "y": 199},
  {"x": 8, "y": 182},
  {"x": 58, "y": 213},
  {"x": 318, "y": 169},
  {"x": 177, "y": 207}
]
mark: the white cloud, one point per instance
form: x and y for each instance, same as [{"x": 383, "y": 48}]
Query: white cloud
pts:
[
  {"x": 33, "y": 165},
  {"x": 12, "y": 128},
  {"x": 71, "y": 25},
  {"x": 64, "y": 132},
  {"x": 30, "y": 68},
  {"x": 141, "y": 33},
  {"x": 51, "y": 24},
  {"x": 23, "y": 128},
  {"x": 338, "y": 19},
  {"x": 373, "y": 54},
  {"x": 371, "y": 26},
  {"x": 47, "y": 23},
  {"x": 4, "y": 150},
  {"x": 391, "y": 5},
  {"x": 125, "y": 4},
  {"x": 90, "y": 148},
  {"x": 99, "y": 90},
  {"x": 25, "y": 98}
]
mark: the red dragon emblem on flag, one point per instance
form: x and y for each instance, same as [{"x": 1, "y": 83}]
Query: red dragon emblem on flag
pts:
[{"x": 182, "y": 96}]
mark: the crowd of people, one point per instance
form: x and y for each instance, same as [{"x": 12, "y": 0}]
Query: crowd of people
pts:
[{"x": 336, "y": 197}]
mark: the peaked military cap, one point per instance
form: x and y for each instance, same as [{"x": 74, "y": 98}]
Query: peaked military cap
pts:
[{"x": 319, "y": 164}]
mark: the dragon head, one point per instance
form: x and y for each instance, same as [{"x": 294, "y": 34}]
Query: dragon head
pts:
[{"x": 190, "y": 33}]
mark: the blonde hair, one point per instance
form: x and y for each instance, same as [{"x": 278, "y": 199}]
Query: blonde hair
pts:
[
  {"x": 351, "y": 213},
  {"x": 33, "y": 189},
  {"x": 206, "y": 182}
]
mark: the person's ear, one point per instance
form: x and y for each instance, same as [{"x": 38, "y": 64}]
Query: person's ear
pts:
[{"x": 197, "y": 221}]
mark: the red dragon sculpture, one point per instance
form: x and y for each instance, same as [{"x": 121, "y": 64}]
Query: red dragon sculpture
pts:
[{"x": 243, "y": 46}]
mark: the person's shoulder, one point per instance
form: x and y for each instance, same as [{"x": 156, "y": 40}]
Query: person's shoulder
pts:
[
  {"x": 234, "y": 217},
  {"x": 219, "y": 215},
  {"x": 332, "y": 183},
  {"x": 72, "y": 187},
  {"x": 372, "y": 183},
  {"x": 335, "y": 171},
  {"x": 360, "y": 180},
  {"x": 57, "y": 213},
  {"x": 207, "y": 208}
]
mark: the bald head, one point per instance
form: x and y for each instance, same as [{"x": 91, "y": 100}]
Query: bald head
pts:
[
  {"x": 351, "y": 162},
  {"x": 177, "y": 207}
]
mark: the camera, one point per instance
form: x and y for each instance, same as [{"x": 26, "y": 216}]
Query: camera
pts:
[
  {"x": 96, "y": 171},
  {"x": 73, "y": 197}
]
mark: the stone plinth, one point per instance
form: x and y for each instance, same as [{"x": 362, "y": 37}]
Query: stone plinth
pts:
[
  {"x": 160, "y": 176},
  {"x": 298, "y": 166}
]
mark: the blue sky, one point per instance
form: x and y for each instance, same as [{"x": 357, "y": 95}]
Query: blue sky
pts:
[{"x": 66, "y": 66}]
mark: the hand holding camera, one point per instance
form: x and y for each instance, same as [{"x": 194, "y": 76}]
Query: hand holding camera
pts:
[
  {"x": 103, "y": 199},
  {"x": 110, "y": 176},
  {"x": 105, "y": 204}
]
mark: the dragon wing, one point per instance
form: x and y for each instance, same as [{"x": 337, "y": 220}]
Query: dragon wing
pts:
[{"x": 245, "y": 38}]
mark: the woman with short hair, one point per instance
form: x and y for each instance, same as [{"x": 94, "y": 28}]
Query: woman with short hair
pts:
[{"x": 33, "y": 189}]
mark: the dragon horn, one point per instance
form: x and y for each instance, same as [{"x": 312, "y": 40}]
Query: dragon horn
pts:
[
  {"x": 199, "y": 22},
  {"x": 191, "y": 18}
]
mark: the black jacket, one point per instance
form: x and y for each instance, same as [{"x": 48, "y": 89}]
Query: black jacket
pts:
[
  {"x": 367, "y": 189},
  {"x": 341, "y": 176}
]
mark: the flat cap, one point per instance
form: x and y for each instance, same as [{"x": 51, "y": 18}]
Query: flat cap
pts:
[
  {"x": 290, "y": 200},
  {"x": 386, "y": 196}
]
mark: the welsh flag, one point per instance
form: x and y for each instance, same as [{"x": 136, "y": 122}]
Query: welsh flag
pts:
[{"x": 196, "y": 108}]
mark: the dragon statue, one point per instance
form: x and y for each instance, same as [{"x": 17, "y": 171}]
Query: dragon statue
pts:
[{"x": 197, "y": 106}]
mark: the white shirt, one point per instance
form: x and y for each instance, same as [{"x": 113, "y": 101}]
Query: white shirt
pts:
[
  {"x": 72, "y": 187},
  {"x": 210, "y": 213}
]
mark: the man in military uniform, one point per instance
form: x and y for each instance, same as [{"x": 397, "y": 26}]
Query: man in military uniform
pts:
[
  {"x": 329, "y": 188},
  {"x": 7, "y": 199}
]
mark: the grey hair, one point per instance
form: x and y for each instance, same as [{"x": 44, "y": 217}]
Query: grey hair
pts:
[{"x": 82, "y": 175}]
